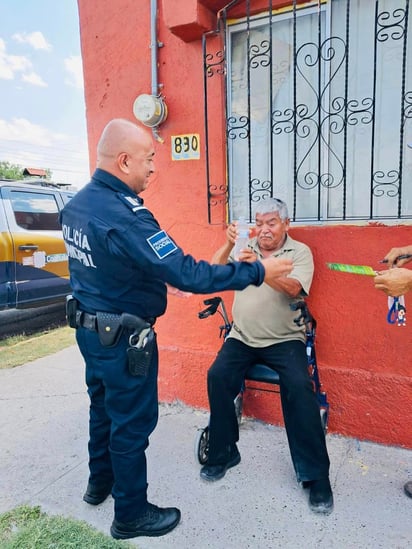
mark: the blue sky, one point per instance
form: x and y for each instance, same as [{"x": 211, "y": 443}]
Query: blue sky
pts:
[{"x": 42, "y": 110}]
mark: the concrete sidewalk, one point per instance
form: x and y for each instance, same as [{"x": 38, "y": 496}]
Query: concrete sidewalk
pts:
[{"x": 43, "y": 461}]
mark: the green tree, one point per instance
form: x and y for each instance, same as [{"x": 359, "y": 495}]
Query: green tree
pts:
[
  {"x": 10, "y": 171},
  {"x": 14, "y": 172}
]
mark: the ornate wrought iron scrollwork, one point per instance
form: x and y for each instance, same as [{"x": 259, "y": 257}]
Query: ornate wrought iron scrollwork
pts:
[
  {"x": 360, "y": 111},
  {"x": 216, "y": 191},
  {"x": 316, "y": 123},
  {"x": 259, "y": 56},
  {"x": 386, "y": 183},
  {"x": 260, "y": 190},
  {"x": 215, "y": 64},
  {"x": 283, "y": 121},
  {"x": 408, "y": 104},
  {"x": 238, "y": 127},
  {"x": 391, "y": 25}
]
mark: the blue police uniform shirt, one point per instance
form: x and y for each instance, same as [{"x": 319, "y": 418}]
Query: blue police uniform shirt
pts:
[{"x": 120, "y": 258}]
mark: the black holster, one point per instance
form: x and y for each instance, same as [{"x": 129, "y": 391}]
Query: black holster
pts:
[
  {"x": 139, "y": 359},
  {"x": 142, "y": 342}
]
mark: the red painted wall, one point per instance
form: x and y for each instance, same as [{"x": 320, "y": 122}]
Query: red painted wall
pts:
[{"x": 365, "y": 363}]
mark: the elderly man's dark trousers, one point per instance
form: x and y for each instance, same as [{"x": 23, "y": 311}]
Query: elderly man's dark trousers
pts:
[
  {"x": 299, "y": 404},
  {"x": 123, "y": 413}
]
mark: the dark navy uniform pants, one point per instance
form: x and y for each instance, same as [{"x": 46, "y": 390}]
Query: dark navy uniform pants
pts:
[
  {"x": 123, "y": 413},
  {"x": 299, "y": 404}
]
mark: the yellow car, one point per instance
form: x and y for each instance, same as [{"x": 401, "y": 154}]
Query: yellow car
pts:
[{"x": 33, "y": 260}]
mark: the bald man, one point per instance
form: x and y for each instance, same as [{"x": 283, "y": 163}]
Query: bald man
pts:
[{"x": 120, "y": 261}]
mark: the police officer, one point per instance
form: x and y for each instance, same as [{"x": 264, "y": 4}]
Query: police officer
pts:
[{"x": 120, "y": 261}]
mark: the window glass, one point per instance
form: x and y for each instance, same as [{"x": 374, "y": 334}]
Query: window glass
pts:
[{"x": 35, "y": 211}]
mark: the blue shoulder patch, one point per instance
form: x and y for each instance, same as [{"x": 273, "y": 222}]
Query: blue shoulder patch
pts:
[{"x": 162, "y": 244}]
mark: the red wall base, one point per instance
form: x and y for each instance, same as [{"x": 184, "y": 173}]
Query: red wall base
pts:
[{"x": 369, "y": 406}]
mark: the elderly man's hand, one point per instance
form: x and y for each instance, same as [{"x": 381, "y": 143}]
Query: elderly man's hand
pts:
[
  {"x": 231, "y": 233},
  {"x": 247, "y": 255},
  {"x": 171, "y": 290},
  {"x": 275, "y": 267},
  {"x": 394, "y": 282}
]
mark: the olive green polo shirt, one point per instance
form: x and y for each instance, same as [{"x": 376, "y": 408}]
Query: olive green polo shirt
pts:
[{"x": 261, "y": 315}]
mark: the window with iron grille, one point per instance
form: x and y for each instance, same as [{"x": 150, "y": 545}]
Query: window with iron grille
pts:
[{"x": 318, "y": 110}]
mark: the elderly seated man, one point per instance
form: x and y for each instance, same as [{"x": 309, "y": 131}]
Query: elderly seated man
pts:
[{"x": 264, "y": 331}]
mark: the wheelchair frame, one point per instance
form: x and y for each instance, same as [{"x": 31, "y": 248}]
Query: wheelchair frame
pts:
[{"x": 261, "y": 373}]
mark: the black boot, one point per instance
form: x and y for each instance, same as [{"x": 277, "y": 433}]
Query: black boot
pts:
[
  {"x": 216, "y": 472},
  {"x": 154, "y": 522},
  {"x": 320, "y": 496},
  {"x": 97, "y": 493}
]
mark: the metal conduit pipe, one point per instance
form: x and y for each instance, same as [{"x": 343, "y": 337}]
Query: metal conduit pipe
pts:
[
  {"x": 153, "y": 48},
  {"x": 153, "y": 45},
  {"x": 151, "y": 109}
]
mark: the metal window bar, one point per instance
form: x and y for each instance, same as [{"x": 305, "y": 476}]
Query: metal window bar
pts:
[
  {"x": 295, "y": 167},
  {"x": 214, "y": 64},
  {"x": 403, "y": 107},
  {"x": 372, "y": 157},
  {"x": 345, "y": 135},
  {"x": 249, "y": 135},
  {"x": 272, "y": 164}
]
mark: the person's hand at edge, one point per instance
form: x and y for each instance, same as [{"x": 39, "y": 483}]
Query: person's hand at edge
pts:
[
  {"x": 394, "y": 282},
  {"x": 391, "y": 257}
]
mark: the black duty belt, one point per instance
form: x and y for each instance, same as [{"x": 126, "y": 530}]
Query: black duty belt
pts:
[
  {"x": 86, "y": 320},
  {"x": 89, "y": 321}
]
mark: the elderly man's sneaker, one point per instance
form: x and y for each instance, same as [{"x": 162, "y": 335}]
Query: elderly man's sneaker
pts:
[
  {"x": 97, "y": 493},
  {"x": 320, "y": 496},
  {"x": 408, "y": 488},
  {"x": 156, "y": 521},
  {"x": 216, "y": 472}
]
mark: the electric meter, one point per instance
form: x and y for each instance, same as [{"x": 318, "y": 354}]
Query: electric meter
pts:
[{"x": 150, "y": 110}]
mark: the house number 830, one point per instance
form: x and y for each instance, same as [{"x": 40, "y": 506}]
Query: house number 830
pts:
[{"x": 185, "y": 147}]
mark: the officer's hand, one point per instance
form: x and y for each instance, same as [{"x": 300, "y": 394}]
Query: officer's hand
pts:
[
  {"x": 275, "y": 267},
  {"x": 394, "y": 282},
  {"x": 247, "y": 255}
]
